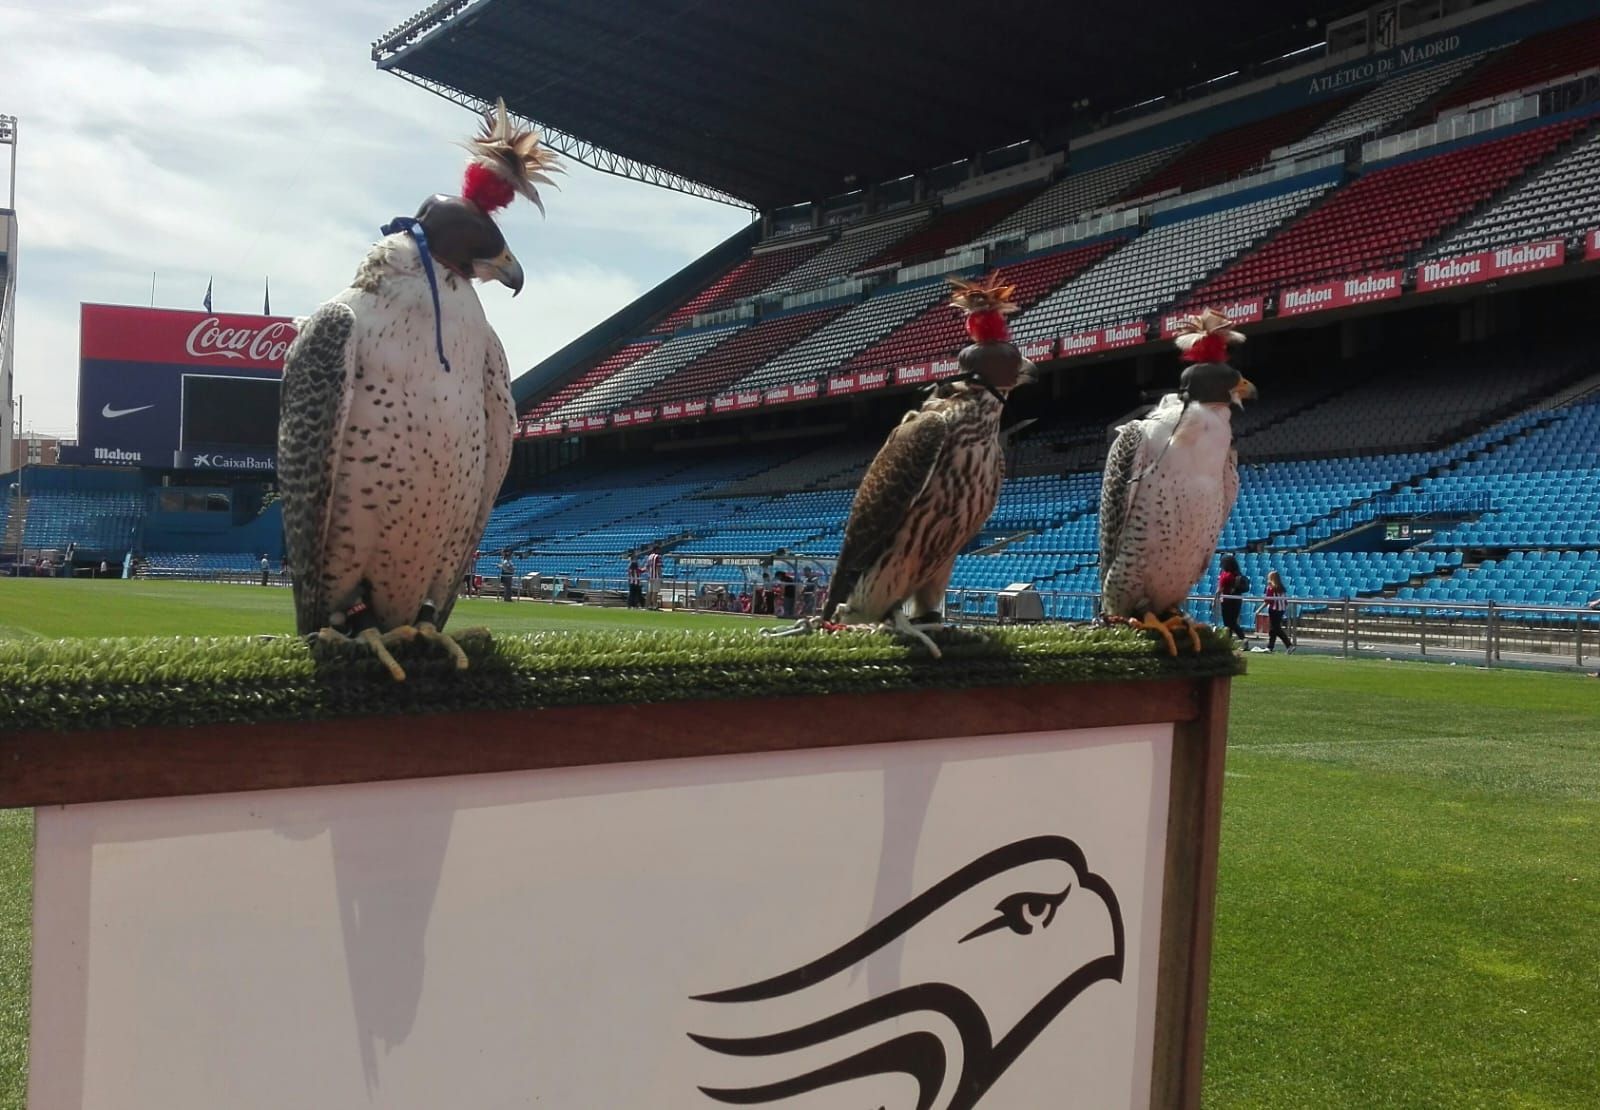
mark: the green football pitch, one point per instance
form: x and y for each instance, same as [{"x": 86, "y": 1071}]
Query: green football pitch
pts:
[{"x": 1408, "y": 912}]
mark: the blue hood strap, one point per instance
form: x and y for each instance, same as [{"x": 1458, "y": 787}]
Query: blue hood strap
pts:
[{"x": 413, "y": 228}]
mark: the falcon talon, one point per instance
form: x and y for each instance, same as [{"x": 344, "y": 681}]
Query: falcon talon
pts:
[
  {"x": 373, "y": 639},
  {"x": 426, "y": 632}
]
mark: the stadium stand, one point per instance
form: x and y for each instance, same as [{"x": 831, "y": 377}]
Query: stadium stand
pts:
[
  {"x": 1559, "y": 201},
  {"x": 593, "y": 377},
  {"x": 1387, "y": 214},
  {"x": 833, "y": 344},
  {"x": 1393, "y": 103},
  {"x": 1225, "y": 154},
  {"x": 202, "y": 565},
  {"x": 1383, "y": 408},
  {"x": 749, "y": 277},
  {"x": 951, "y": 228},
  {"x": 94, "y": 520},
  {"x": 644, "y": 372},
  {"x": 1532, "y": 62},
  {"x": 854, "y": 246},
  {"x": 1078, "y": 193},
  {"x": 1153, "y": 269},
  {"x": 938, "y": 330},
  {"x": 722, "y": 365}
]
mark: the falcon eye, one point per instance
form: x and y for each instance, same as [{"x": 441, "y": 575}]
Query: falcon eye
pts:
[{"x": 1022, "y": 913}]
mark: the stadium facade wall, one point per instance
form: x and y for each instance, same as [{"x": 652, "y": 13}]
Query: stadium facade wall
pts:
[{"x": 214, "y": 532}]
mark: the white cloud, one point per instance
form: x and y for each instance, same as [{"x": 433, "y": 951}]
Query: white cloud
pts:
[{"x": 236, "y": 141}]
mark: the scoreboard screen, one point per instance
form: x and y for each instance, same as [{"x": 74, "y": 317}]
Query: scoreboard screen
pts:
[{"x": 230, "y": 412}]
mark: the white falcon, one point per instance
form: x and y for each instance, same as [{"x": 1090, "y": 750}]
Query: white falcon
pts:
[
  {"x": 397, "y": 421},
  {"x": 1170, "y": 482}
]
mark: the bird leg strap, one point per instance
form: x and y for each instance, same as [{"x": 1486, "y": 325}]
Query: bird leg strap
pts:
[{"x": 1178, "y": 622}]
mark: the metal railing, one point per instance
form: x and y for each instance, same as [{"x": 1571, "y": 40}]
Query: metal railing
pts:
[{"x": 1487, "y": 631}]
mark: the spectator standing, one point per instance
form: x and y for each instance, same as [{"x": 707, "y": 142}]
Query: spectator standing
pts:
[
  {"x": 652, "y": 564},
  {"x": 635, "y": 583},
  {"x": 508, "y": 570},
  {"x": 266, "y": 570},
  {"x": 1277, "y": 612},
  {"x": 1231, "y": 587}
]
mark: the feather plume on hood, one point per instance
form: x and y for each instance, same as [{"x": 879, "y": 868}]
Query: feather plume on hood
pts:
[{"x": 506, "y": 161}]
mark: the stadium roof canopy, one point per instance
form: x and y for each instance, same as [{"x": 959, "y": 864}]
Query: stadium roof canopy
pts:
[{"x": 772, "y": 104}]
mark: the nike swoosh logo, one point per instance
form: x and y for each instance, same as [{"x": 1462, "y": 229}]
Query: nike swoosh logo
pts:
[{"x": 111, "y": 414}]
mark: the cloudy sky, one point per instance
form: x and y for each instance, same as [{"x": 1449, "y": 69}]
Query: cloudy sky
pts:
[{"x": 244, "y": 139}]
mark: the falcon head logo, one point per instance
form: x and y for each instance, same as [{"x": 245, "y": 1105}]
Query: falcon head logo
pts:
[{"x": 997, "y": 950}]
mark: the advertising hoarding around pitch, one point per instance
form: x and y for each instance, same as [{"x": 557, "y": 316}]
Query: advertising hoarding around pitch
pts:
[{"x": 133, "y": 364}]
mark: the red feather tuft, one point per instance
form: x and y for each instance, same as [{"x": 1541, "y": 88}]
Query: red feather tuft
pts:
[
  {"x": 1208, "y": 348},
  {"x": 988, "y": 327},
  {"x": 485, "y": 188}
]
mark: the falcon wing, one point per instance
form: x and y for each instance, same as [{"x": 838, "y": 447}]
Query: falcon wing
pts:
[
  {"x": 500, "y": 426},
  {"x": 1128, "y": 457},
  {"x": 899, "y": 473},
  {"x": 317, "y": 375},
  {"x": 1230, "y": 484}
]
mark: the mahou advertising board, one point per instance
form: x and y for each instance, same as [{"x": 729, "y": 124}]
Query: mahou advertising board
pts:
[
  {"x": 1245, "y": 311},
  {"x": 131, "y": 366},
  {"x": 1469, "y": 269},
  {"x": 1339, "y": 293}
]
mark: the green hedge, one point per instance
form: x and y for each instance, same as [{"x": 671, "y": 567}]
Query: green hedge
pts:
[{"x": 85, "y": 684}]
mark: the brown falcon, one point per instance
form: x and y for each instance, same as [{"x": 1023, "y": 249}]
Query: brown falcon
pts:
[
  {"x": 934, "y": 482},
  {"x": 397, "y": 421},
  {"x": 1170, "y": 482}
]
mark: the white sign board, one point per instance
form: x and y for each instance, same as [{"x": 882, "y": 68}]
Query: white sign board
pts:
[{"x": 947, "y": 923}]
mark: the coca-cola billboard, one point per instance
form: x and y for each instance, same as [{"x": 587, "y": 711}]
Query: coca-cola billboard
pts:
[
  {"x": 1245, "y": 310},
  {"x": 1339, "y": 293},
  {"x": 132, "y": 368},
  {"x": 1108, "y": 338},
  {"x": 1469, "y": 269},
  {"x": 123, "y": 333}
]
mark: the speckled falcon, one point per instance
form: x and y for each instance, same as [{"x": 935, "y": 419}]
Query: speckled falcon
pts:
[
  {"x": 933, "y": 483},
  {"x": 397, "y": 420},
  {"x": 1170, "y": 482}
]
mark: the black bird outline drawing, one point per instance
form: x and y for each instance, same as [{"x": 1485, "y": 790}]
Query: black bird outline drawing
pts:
[{"x": 922, "y": 1054}]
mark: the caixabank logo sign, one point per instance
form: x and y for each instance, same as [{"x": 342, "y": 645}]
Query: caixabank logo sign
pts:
[
  {"x": 132, "y": 362},
  {"x": 226, "y": 460}
]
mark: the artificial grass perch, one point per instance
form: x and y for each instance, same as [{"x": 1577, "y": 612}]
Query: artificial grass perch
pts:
[{"x": 71, "y": 685}]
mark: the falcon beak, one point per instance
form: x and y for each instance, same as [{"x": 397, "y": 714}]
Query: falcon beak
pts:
[
  {"x": 503, "y": 268},
  {"x": 1244, "y": 391}
]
